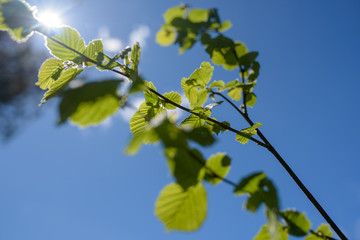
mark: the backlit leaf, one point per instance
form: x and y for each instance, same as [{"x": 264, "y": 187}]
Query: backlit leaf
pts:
[
  {"x": 198, "y": 15},
  {"x": 49, "y": 72},
  {"x": 297, "y": 222},
  {"x": 166, "y": 36},
  {"x": 173, "y": 96},
  {"x": 264, "y": 233},
  {"x": 250, "y": 184},
  {"x": 174, "y": 12},
  {"x": 323, "y": 231},
  {"x": 224, "y": 26},
  {"x": 235, "y": 94},
  {"x": 180, "y": 209},
  {"x": 220, "y": 165},
  {"x": 92, "y": 51},
  {"x": 63, "y": 80},
  {"x": 69, "y": 37},
  {"x": 91, "y": 103}
]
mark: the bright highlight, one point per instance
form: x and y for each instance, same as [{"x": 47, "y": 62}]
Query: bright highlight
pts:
[{"x": 49, "y": 19}]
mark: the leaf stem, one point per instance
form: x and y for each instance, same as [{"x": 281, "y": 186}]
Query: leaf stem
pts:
[{"x": 290, "y": 172}]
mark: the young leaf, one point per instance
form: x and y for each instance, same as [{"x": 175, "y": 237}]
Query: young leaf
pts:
[
  {"x": 200, "y": 135},
  {"x": 49, "y": 72},
  {"x": 69, "y": 37},
  {"x": 245, "y": 134},
  {"x": 250, "y": 99},
  {"x": 174, "y": 12},
  {"x": 135, "y": 56},
  {"x": 235, "y": 94},
  {"x": 92, "y": 51},
  {"x": 247, "y": 60},
  {"x": 91, "y": 103},
  {"x": 264, "y": 233},
  {"x": 322, "y": 232},
  {"x": 217, "y": 84},
  {"x": 198, "y": 15},
  {"x": 150, "y": 96},
  {"x": 173, "y": 96},
  {"x": 186, "y": 165},
  {"x": 17, "y": 17},
  {"x": 180, "y": 209},
  {"x": 202, "y": 75},
  {"x": 298, "y": 224},
  {"x": 224, "y": 26},
  {"x": 62, "y": 81},
  {"x": 250, "y": 184},
  {"x": 220, "y": 165},
  {"x": 166, "y": 36}
]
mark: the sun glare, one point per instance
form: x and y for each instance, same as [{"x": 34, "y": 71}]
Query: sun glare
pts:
[{"x": 49, "y": 19}]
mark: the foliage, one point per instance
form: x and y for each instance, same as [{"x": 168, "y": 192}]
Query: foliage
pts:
[{"x": 182, "y": 205}]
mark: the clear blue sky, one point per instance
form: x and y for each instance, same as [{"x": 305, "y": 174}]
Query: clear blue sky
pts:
[{"x": 68, "y": 183}]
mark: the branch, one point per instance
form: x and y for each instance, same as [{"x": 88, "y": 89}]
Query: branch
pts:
[{"x": 290, "y": 172}]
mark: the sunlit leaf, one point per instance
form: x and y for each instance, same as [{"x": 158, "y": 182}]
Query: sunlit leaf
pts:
[
  {"x": 202, "y": 75},
  {"x": 322, "y": 232},
  {"x": 135, "y": 56},
  {"x": 235, "y": 94},
  {"x": 186, "y": 165},
  {"x": 92, "y": 51},
  {"x": 245, "y": 134},
  {"x": 49, "y": 72},
  {"x": 17, "y": 17},
  {"x": 174, "y": 12},
  {"x": 91, "y": 103},
  {"x": 250, "y": 99},
  {"x": 198, "y": 15},
  {"x": 62, "y": 81},
  {"x": 264, "y": 234},
  {"x": 69, "y": 37},
  {"x": 224, "y": 26},
  {"x": 166, "y": 36},
  {"x": 250, "y": 184},
  {"x": 173, "y": 96},
  {"x": 150, "y": 96},
  {"x": 182, "y": 210},
  {"x": 217, "y": 84},
  {"x": 297, "y": 222},
  {"x": 220, "y": 165}
]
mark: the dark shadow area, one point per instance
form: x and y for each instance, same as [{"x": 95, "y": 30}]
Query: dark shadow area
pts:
[{"x": 19, "y": 97}]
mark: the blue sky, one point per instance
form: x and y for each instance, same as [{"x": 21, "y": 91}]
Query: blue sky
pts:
[{"x": 70, "y": 183}]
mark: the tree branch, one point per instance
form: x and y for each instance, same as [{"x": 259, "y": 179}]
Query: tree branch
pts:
[{"x": 290, "y": 172}]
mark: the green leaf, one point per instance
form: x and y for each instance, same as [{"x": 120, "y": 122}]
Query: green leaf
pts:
[
  {"x": 250, "y": 184},
  {"x": 220, "y": 165},
  {"x": 49, "y": 72},
  {"x": 150, "y": 96},
  {"x": 173, "y": 96},
  {"x": 174, "y": 12},
  {"x": 221, "y": 51},
  {"x": 91, "y": 103},
  {"x": 166, "y": 36},
  {"x": 69, "y": 37},
  {"x": 186, "y": 166},
  {"x": 264, "y": 233},
  {"x": 17, "y": 18},
  {"x": 62, "y": 81},
  {"x": 202, "y": 75},
  {"x": 198, "y": 15},
  {"x": 139, "y": 123},
  {"x": 235, "y": 94},
  {"x": 224, "y": 26},
  {"x": 182, "y": 210},
  {"x": 135, "y": 56},
  {"x": 297, "y": 222},
  {"x": 200, "y": 135},
  {"x": 240, "y": 49},
  {"x": 322, "y": 231},
  {"x": 137, "y": 140},
  {"x": 250, "y": 99},
  {"x": 247, "y": 60},
  {"x": 217, "y": 84},
  {"x": 245, "y": 134},
  {"x": 92, "y": 51}
]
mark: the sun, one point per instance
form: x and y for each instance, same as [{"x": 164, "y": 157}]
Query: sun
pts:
[{"x": 50, "y": 19}]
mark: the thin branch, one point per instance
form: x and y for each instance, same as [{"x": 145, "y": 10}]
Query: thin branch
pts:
[
  {"x": 245, "y": 115},
  {"x": 210, "y": 170},
  {"x": 290, "y": 172}
]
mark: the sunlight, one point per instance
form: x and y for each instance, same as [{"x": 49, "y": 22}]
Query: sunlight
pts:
[{"x": 49, "y": 19}]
